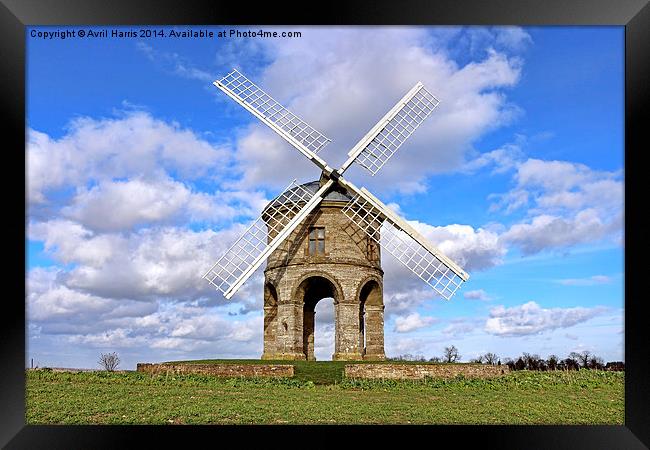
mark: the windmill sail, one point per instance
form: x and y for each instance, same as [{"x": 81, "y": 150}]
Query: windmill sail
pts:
[
  {"x": 404, "y": 243},
  {"x": 262, "y": 237},
  {"x": 291, "y": 127},
  {"x": 383, "y": 140},
  {"x": 284, "y": 214}
]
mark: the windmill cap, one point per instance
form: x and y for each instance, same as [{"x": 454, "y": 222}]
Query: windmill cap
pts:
[{"x": 311, "y": 187}]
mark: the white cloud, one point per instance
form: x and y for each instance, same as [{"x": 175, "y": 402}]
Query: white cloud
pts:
[
  {"x": 90, "y": 321},
  {"x": 530, "y": 318},
  {"x": 595, "y": 279},
  {"x": 556, "y": 186},
  {"x": 119, "y": 205},
  {"x": 123, "y": 204},
  {"x": 501, "y": 159},
  {"x": 403, "y": 293},
  {"x": 572, "y": 204},
  {"x": 547, "y": 231},
  {"x": 70, "y": 242},
  {"x": 478, "y": 294},
  {"x": 150, "y": 263},
  {"x": 472, "y": 249},
  {"x": 404, "y": 324},
  {"x": 461, "y": 326},
  {"x": 174, "y": 63},
  {"x": 102, "y": 149},
  {"x": 513, "y": 38}
]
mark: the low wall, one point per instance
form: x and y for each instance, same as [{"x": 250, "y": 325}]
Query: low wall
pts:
[
  {"x": 420, "y": 371},
  {"x": 220, "y": 370}
]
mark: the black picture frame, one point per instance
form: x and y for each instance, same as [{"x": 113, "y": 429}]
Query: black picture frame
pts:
[{"x": 634, "y": 15}]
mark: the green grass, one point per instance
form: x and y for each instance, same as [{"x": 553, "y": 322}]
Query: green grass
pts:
[{"x": 584, "y": 397}]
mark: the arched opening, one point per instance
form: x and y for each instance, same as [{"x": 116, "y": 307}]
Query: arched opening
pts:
[
  {"x": 311, "y": 291},
  {"x": 371, "y": 321}
]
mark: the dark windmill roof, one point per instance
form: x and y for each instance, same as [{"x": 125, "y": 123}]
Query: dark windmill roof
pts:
[{"x": 312, "y": 187}]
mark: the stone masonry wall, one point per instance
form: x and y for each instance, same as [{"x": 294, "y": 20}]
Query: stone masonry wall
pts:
[
  {"x": 220, "y": 370},
  {"x": 420, "y": 371}
]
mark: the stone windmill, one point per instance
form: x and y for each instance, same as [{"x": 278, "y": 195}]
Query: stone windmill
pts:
[{"x": 323, "y": 239}]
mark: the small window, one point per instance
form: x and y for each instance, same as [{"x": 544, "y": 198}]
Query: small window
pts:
[{"x": 317, "y": 241}]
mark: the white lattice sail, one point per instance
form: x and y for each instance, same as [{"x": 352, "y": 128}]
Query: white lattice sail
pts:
[
  {"x": 432, "y": 268},
  {"x": 287, "y": 211},
  {"x": 391, "y": 132},
  {"x": 244, "y": 252},
  {"x": 262, "y": 105}
]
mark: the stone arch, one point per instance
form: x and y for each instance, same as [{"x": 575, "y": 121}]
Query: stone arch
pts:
[
  {"x": 371, "y": 318},
  {"x": 371, "y": 285},
  {"x": 312, "y": 288},
  {"x": 298, "y": 290}
]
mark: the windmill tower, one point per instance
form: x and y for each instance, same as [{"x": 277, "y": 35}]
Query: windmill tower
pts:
[
  {"x": 322, "y": 239},
  {"x": 327, "y": 256}
]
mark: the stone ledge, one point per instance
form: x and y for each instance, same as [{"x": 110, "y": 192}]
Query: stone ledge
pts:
[
  {"x": 220, "y": 370},
  {"x": 420, "y": 371}
]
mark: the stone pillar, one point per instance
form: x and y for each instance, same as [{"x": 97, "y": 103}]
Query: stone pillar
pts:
[
  {"x": 289, "y": 343},
  {"x": 270, "y": 332},
  {"x": 347, "y": 339},
  {"x": 362, "y": 331},
  {"x": 374, "y": 333},
  {"x": 309, "y": 316}
]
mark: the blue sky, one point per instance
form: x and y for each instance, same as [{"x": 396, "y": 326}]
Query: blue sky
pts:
[{"x": 140, "y": 173}]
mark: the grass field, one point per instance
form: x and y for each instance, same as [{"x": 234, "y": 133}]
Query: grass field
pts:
[{"x": 318, "y": 394}]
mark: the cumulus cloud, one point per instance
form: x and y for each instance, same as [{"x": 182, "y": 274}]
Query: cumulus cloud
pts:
[
  {"x": 472, "y": 249},
  {"x": 88, "y": 320},
  {"x": 150, "y": 263},
  {"x": 130, "y": 146},
  {"x": 531, "y": 318},
  {"x": 414, "y": 321},
  {"x": 547, "y": 231},
  {"x": 119, "y": 205},
  {"x": 571, "y": 204}
]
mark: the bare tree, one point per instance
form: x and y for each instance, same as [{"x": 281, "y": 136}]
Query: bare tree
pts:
[
  {"x": 109, "y": 361},
  {"x": 435, "y": 359},
  {"x": 451, "y": 354},
  {"x": 552, "y": 362},
  {"x": 477, "y": 360},
  {"x": 596, "y": 362},
  {"x": 531, "y": 361},
  {"x": 490, "y": 358},
  {"x": 582, "y": 358},
  {"x": 520, "y": 364},
  {"x": 570, "y": 364}
]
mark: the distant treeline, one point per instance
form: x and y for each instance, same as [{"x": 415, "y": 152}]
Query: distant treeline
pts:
[{"x": 527, "y": 361}]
